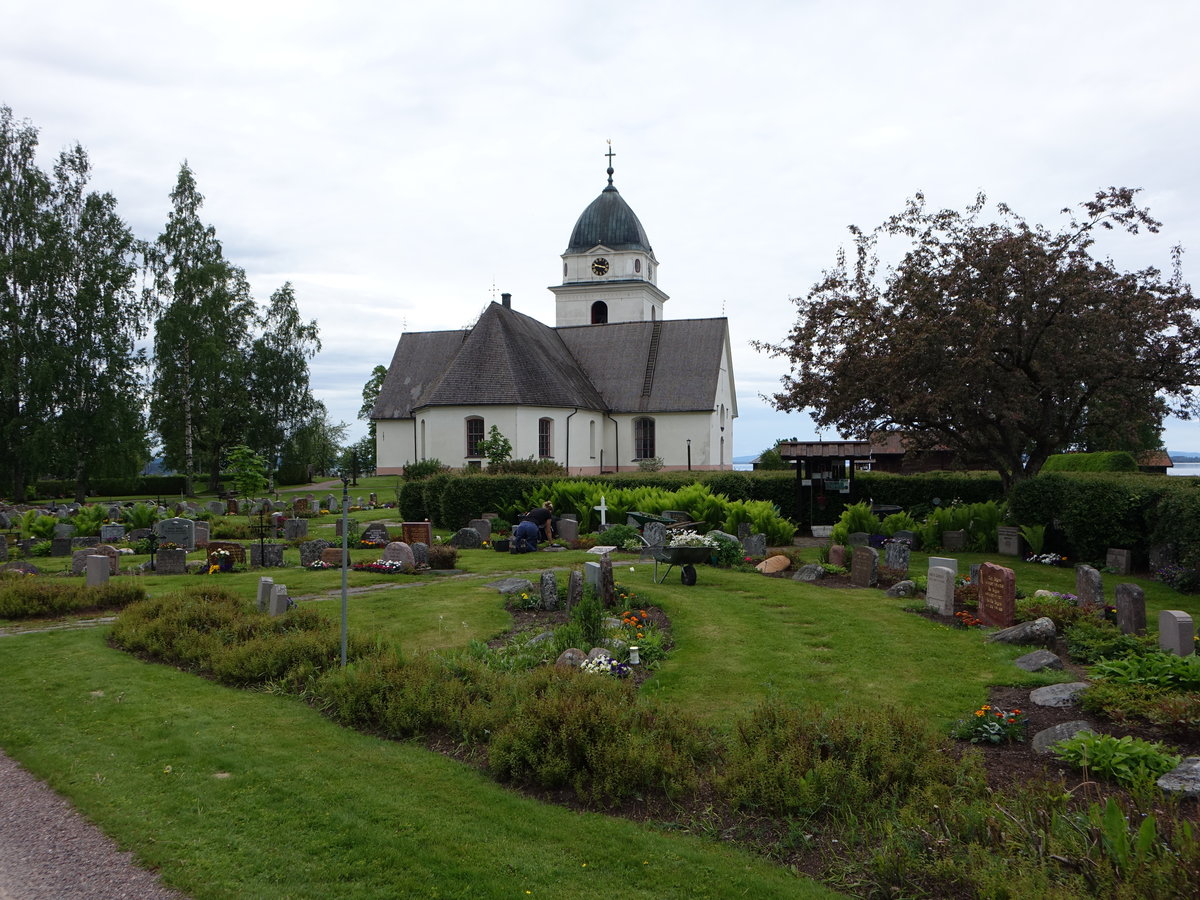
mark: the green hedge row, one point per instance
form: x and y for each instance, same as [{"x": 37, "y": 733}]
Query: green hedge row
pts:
[
  {"x": 1090, "y": 512},
  {"x": 451, "y": 500},
  {"x": 1109, "y": 461},
  {"x": 155, "y": 485}
]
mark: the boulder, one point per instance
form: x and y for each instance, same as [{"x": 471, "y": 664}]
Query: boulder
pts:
[
  {"x": 904, "y": 588},
  {"x": 1039, "y": 631},
  {"x": 1038, "y": 660},
  {"x": 571, "y": 657},
  {"x": 1058, "y": 695},
  {"x": 1184, "y": 779},
  {"x": 810, "y": 572},
  {"x": 1045, "y": 739},
  {"x": 466, "y": 539},
  {"x": 773, "y": 564}
]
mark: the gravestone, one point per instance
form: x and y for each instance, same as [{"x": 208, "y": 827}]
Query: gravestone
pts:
[
  {"x": 60, "y": 546},
  {"x": 64, "y": 530},
  {"x": 946, "y": 563},
  {"x": 266, "y": 556},
  {"x": 755, "y": 545},
  {"x": 568, "y": 530},
  {"x": 864, "y": 567},
  {"x": 376, "y": 532},
  {"x": 85, "y": 541},
  {"x": 655, "y": 535},
  {"x": 1089, "y": 586},
  {"x": 574, "y": 589},
  {"x": 310, "y": 551},
  {"x": 112, "y": 533},
  {"x": 954, "y": 541},
  {"x": 859, "y": 539},
  {"x": 113, "y": 555},
  {"x": 333, "y": 556},
  {"x": 280, "y": 601},
  {"x": 264, "y": 593},
  {"x": 216, "y": 507},
  {"x": 295, "y": 529},
  {"x": 997, "y": 595},
  {"x": 608, "y": 590},
  {"x": 837, "y": 555},
  {"x": 414, "y": 532},
  {"x": 373, "y": 499},
  {"x": 300, "y": 506},
  {"x": 171, "y": 562},
  {"x": 181, "y": 532},
  {"x": 1008, "y": 540},
  {"x": 97, "y": 571},
  {"x": 420, "y": 552},
  {"x": 236, "y": 550},
  {"x": 202, "y": 534},
  {"x": 939, "y": 590},
  {"x": 398, "y": 551},
  {"x": 330, "y": 502},
  {"x": 23, "y": 566},
  {"x": 973, "y": 573},
  {"x": 231, "y": 507},
  {"x": 896, "y": 555},
  {"x": 79, "y": 560},
  {"x": 549, "y": 590},
  {"x": 466, "y": 539},
  {"x": 139, "y": 534},
  {"x": 1119, "y": 561},
  {"x": 744, "y": 530},
  {"x": 3, "y": 549},
  {"x": 1176, "y": 632},
  {"x": 278, "y": 506},
  {"x": 483, "y": 526},
  {"x": 1131, "y": 609},
  {"x": 1161, "y": 556},
  {"x": 909, "y": 537},
  {"x": 591, "y": 575}
]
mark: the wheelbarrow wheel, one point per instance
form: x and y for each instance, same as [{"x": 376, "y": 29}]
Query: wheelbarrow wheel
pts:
[{"x": 687, "y": 574}]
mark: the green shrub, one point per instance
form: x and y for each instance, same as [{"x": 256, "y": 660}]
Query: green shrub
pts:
[
  {"x": 791, "y": 761},
  {"x": 424, "y": 468},
  {"x": 22, "y": 597},
  {"x": 914, "y": 491},
  {"x": 1091, "y": 639},
  {"x": 41, "y": 548},
  {"x": 1157, "y": 705},
  {"x": 990, "y": 725},
  {"x": 1128, "y": 760},
  {"x": 900, "y": 521},
  {"x": 1154, "y": 669},
  {"x": 528, "y": 466},
  {"x": 1106, "y": 461},
  {"x": 1062, "y": 609},
  {"x": 442, "y": 556},
  {"x": 589, "y": 615},
  {"x": 855, "y": 518},
  {"x": 619, "y": 535}
]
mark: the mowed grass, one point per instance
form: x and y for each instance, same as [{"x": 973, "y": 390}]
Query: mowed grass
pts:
[{"x": 240, "y": 794}]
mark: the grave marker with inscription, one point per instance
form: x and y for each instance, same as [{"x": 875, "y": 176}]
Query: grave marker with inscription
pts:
[
  {"x": 1119, "y": 561},
  {"x": 939, "y": 591},
  {"x": 1176, "y": 632},
  {"x": 864, "y": 567},
  {"x": 997, "y": 595},
  {"x": 181, "y": 532},
  {"x": 1009, "y": 540},
  {"x": 1131, "y": 609},
  {"x": 412, "y": 532}
]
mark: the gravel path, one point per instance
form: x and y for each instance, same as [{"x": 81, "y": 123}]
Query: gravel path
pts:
[{"x": 48, "y": 851}]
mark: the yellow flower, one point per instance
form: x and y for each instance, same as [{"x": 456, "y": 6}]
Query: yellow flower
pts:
[{"x": 979, "y": 712}]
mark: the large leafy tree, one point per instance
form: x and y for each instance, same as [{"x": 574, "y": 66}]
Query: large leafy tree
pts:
[
  {"x": 278, "y": 375},
  {"x": 97, "y": 427},
  {"x": 200, "y": 405},
  {"x": 1002, "y": 340},
  {"x": 26, "y": 366},
  {"x": 370, "y": 393}
]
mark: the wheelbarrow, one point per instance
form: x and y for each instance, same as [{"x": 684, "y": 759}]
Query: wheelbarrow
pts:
[
  {"x": 642, "y": 518},
  {"x": 684, "y": 557}
]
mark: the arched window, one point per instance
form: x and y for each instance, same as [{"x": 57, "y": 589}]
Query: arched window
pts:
[
  {"x": 643, "y": 438},
  {"x": 545, "y": 442},
  {"x": 474, "y": 434},
  {"x": 599, "y": 313},
  {"x": 422, "y": 439},
  {"x": 637, "y": 266},
  {"x": 592, "y": 438}
]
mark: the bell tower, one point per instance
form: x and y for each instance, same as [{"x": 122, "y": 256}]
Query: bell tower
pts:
[{"x": 610, "y": 272}]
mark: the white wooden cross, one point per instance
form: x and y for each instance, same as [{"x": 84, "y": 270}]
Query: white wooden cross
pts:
[{"x": 603, "y": 511}]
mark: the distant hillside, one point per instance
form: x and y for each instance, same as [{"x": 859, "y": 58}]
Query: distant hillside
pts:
[{"x": 1183, "y": 456}]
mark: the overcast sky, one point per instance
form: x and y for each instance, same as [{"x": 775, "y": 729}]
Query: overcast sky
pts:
[{"x": 401, "y": 166}]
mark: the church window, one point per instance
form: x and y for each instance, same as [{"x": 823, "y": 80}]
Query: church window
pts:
[
  {"x": 545, "y": 445},
  {"x": 422, "y": 439},
  {"x": 599, "y": 313},
  {"x": 592, "y": 439},
  {"x": 564, "y": 270},
  {"x": 474, "y": 435},
  {"x": 637, "y": 265},
  {"x": 643, "y": 438}
]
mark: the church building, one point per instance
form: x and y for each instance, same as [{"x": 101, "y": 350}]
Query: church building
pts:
[{"x": 612, "y": 384}]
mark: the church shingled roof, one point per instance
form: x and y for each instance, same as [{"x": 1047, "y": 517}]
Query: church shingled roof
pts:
[{"x": 608, "y": 220}]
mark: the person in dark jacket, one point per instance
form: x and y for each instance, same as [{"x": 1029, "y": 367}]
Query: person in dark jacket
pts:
[{"x": 543, "y": 518}]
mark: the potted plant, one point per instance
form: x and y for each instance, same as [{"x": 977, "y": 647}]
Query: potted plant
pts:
[{"x": 501, "y": 532}]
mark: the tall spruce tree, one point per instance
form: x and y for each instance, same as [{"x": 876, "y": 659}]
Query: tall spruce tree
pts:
[{"x": 199, "y": 407}]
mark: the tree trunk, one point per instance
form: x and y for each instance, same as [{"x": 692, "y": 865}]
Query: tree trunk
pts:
[{"x": 188, "y": 461}]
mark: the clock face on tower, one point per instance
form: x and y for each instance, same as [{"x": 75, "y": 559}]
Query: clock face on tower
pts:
[{"x": 600, "y": 266}]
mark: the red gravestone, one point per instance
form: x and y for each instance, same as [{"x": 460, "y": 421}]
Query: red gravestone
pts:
[
  {"x": 997, "y": 595},
  {"x": 416, "y": 532}
]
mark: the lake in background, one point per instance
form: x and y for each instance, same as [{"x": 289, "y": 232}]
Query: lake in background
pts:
[{"x": 1184, "y": 468}]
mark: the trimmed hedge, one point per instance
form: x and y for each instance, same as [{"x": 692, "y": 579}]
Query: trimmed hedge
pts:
[
  {"x": 920, "y": 490},
  {"x": 156, "y": 485},
  {"x": 1090, "y": 512},
  {"x": 1108, "y": 461}
]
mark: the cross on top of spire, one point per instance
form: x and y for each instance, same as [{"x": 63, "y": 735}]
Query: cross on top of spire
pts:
[{"x": 610, "y": 155}]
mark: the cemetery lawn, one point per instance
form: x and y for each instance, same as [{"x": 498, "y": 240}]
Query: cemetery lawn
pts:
[{"x": 242, "y": 794}]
